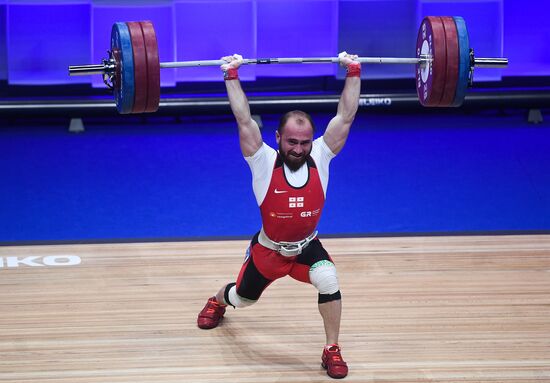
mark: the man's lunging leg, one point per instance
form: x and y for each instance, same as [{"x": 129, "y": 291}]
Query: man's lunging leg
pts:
[
  {"x": 332, "y": 359},
  {"x": 323, "y": 276},
  {"x": 331, "y": 313}
]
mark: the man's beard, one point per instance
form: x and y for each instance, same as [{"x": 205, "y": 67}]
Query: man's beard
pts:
[{"x": 293, "y": 163}]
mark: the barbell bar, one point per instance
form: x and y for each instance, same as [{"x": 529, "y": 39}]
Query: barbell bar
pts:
[
  {"x": 94, "y": 69},
  {"x": 78, "y": 70},
  {"x": 444, "y": 64}
]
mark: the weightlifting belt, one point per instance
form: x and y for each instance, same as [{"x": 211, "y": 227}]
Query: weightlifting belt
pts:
[{"x": 287, "y": 249}]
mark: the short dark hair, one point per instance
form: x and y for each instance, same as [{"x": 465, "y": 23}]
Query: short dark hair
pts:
[{"x": 300, "y": 116}]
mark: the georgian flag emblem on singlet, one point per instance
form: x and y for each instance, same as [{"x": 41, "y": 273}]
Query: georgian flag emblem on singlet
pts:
[{"x": 294, "y": 202}]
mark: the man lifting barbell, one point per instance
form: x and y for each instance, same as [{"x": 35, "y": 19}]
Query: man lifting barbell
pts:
[
  {"x": 290, "y": 185},
  {"x": 290, "y": 188}
]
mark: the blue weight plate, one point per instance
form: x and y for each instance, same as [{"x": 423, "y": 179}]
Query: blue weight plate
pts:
[
  {"x": 464, "y": 61},
  {"x": 121, "y": 43}
]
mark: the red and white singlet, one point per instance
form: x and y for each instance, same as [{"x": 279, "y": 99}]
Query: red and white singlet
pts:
[{"x": 290, "y": 202}]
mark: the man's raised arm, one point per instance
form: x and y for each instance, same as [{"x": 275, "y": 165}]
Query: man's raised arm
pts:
[
  {"x": 250, "y": 137},
  {"x": 336, "y": 134}
]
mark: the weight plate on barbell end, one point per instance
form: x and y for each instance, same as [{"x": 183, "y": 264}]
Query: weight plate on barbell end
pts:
[
  {"x": 140, "y": 67},
  {"x": 430, "y": 78},
  {"x": 121, "y": 42},
  {"x": 463, "y": 59},
  {"x": 153, "y": 66},
  {"x": 451, "y": 76}
]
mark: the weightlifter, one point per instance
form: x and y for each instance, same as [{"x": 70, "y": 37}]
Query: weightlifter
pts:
[{"x": 290, "y": 187}]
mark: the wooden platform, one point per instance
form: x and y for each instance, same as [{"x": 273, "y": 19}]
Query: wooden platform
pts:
[{"x": 416, "y": 309}]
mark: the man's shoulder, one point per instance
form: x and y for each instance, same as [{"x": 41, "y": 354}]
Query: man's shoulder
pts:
[
  {"x": 265, "y": 156},
  {"x": 263, "y": 151},
  {"x": 321, "y": 149}
]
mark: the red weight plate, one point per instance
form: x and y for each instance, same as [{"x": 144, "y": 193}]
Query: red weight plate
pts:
[
  {"x": 153, "y": 66},
  {"x": 140, "y": 67},
  {"x": 430, "y": 79},
  {"x": 451, "y": 78}
]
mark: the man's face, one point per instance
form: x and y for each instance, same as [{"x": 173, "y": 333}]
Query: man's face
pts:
[{"x": 295, "y": 143}]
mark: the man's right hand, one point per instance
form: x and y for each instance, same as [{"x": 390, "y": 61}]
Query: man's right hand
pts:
[
  {"x": 232, "y": 64},
  {"x": 345, "y": 59}
]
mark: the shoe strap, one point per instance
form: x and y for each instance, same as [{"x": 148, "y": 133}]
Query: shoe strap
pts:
[
  {"x": 336, "y": 360},
  {"x": 215, "y": 302},
  {"x": 332, "y": 347}
]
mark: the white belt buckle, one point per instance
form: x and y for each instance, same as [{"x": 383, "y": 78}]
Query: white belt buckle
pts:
[
  {"x": 290, "y": 249},
  {"x": 287, "y": 249}
]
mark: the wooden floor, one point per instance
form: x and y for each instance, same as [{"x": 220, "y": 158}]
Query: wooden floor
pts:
[{"x": 420, "y": 309}]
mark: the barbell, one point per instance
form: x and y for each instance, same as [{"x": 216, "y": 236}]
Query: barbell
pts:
[{"x": 444, "y": 64}]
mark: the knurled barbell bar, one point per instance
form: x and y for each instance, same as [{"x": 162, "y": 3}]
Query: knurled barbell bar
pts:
[{"x": 444, "y": 64}]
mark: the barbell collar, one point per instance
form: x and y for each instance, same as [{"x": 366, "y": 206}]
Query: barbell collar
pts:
[
  {"x": 83, "y": 70},
  {"x": 107, "y": 67},
  {"x": 490, "y": 62}
]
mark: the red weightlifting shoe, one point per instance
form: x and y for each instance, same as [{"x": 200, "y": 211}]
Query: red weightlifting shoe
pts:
[
  {"x": 211, "y": 315},
  {"x": 332, "y": 362}
]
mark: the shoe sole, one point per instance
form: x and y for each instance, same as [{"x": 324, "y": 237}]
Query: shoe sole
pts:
[
  {"x": 332, "y": 376},
  {"x": 210, "y": 327}
]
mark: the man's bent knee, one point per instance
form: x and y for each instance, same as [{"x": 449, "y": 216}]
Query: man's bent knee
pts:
[
  {"x": 323, "y": 276},
  {"x": 232, "y": 298}
]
